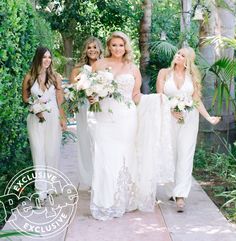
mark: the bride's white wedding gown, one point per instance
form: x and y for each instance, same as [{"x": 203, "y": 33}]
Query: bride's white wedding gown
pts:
[
  {"x": 132, "y": 152},
  {"x": 114, "y": 189}
]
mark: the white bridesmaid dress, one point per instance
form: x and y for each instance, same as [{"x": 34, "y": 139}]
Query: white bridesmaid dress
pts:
[
  {"x": 184, "y": 137},
  {"x": 45, "y": 138},
  {"x": 114, "y": 189},
  {"x": 84, "y": 152},
  {"x": 84, "y": 125}
]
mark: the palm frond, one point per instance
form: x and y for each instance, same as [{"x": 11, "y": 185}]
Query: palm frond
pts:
[
  {"x": 220, "y": 42},
  {"x": 224, "y": 68},
  {"x": 164, "y": 47}
]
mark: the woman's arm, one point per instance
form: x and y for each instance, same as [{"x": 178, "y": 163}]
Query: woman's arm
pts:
[
  {"x": 136, "y": 95},
  {"x": 25, "y": 86},
  {"x": 202, "y": 110},
  {"x": 161, "y": 80},
  {"x": 60, "y": 100},
  {"x": 74, "y": 73}
]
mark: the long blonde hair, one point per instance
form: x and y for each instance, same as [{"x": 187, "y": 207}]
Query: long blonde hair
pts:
[
  {"x": 128, "y": 56},
  {"x": 190, "y": 68},
  {"x": 84, "y": 58}
]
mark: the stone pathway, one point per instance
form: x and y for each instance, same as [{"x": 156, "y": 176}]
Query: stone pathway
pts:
[{"x": 202, "y": 221}]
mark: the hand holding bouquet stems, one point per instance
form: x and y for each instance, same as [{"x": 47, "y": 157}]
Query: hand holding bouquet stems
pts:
[
  {"x": 38, "y": 105},
  {"x": 181, "y": 104}
]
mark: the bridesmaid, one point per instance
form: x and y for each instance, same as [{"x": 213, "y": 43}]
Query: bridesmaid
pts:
[
  {"x": 183, "y": 78},
  {"x": 92, "y": 51},
  {"x": 45, "y": 137}
]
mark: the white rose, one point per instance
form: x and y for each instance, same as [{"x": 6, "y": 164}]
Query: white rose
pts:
[
  {"x": 173, "y": 102},
  {"x": 89, "y": 91},
  {"x": 36, "y": 108},
  {"x": 83, "y": 83},
  {"x": 103, "y": 93},
  {"x": 181, "y": 106},
  {"x": 189, "y": 103},
  {"x": 97, "y": 89}
]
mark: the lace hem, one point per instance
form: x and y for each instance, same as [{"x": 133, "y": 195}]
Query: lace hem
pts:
[{"x": 125, "y": 198}]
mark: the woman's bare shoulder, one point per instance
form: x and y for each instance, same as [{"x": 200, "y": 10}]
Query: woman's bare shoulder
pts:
[
  {"x": 27, "y": 77},
  {"x": 101, "y": 64}
]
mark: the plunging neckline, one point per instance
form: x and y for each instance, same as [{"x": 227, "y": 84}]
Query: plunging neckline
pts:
[
  {"x": 178, "y": 88},
  {"x": 43, "y": 91}
]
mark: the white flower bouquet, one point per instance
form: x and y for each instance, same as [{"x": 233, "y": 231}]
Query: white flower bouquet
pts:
[
  {"x": 102, "y": 85},
  {"x": 38, "y": 105},
  {"x": 90, "y": 84},
  {"x": 182, "y": 104}
]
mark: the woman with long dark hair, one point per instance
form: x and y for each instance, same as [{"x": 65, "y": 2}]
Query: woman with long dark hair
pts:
[{"x": 42, "y": 91}]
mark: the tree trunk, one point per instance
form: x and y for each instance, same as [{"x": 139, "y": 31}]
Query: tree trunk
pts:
[
  {"x": 144, "y": 37},
  {"x": 68, "y": 53},
  {"x": 185, "y": 20},
  {"x": 222, "y": 23}
]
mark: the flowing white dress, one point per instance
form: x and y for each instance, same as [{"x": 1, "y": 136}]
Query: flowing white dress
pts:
[
  {"x": 114, "y": 189},
  {"x": 45, "y": 138},
  {"x": 154, "y": 148},
  {"x": 85, "y": 166},
  {"x": 184, "y": 137}
]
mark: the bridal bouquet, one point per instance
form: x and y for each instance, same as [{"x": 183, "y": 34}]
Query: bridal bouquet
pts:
[
  {"x": 38, "y": 105},
  {"x": 182, "y": 104},
  {"x": 90, "y": 84},
  {"x": 101, "y": 85}
]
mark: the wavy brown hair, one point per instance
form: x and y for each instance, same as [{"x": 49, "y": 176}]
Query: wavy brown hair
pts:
[
  {"x": 128, "y": 56},
  {"x": 51, "y": 78},
  {"x": 84, "y": 58}
]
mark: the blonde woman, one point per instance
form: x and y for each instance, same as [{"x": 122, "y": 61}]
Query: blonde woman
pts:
[
  {"x": 183, "y": 78},
  {"x": 114, "y": 189},
  {"x": 92, "y": 51}
]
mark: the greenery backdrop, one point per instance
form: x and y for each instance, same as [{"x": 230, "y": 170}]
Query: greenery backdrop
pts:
[{"x": 25, "y": 24}]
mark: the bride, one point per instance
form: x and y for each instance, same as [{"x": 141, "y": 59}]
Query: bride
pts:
[
  {"x": 130, "y": 156},
  {"x": 114, "y": 188}
]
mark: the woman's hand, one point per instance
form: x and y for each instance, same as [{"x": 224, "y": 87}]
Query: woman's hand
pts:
[
  {"x": 40, "y": 116},
  {"x": 137, "y": 98},
  {"x": 92, "y": 100},
  {"x": 77, "y": 78},
  {"x": 63, "y": 124},
  {"x": 177, "y": 115},
  {"x": 214, "y": 119}
]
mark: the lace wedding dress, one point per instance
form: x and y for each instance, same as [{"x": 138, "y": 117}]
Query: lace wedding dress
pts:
[
  {"x": 132, "y": 152},
  {"x": 114, "y": 189}
]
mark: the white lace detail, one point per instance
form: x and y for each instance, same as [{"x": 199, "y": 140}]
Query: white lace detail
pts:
[
  {"x": 154, "y": 148},
  {"x": 125, "y": 85},
  {"x": 124, "y": 198}
]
